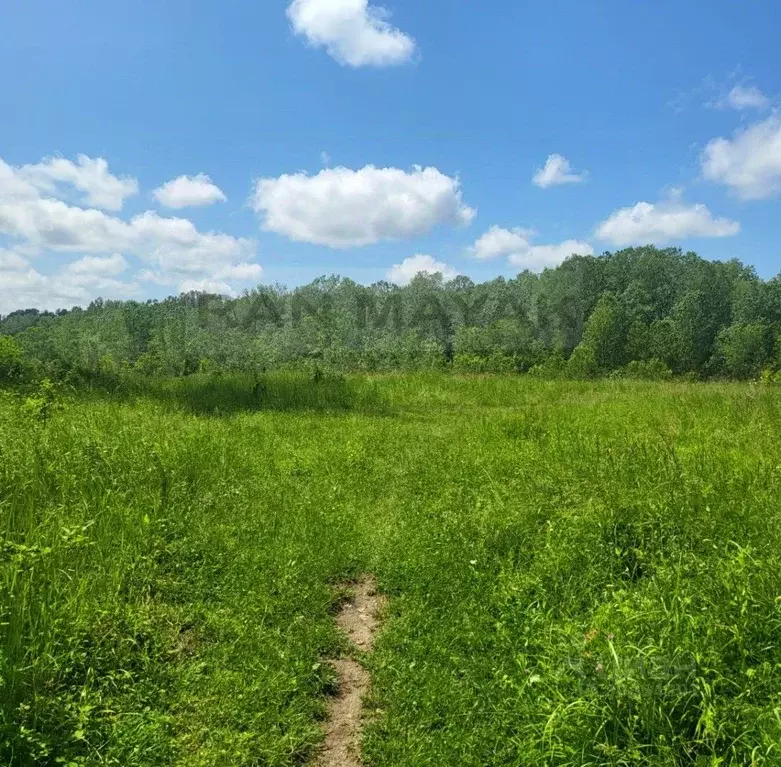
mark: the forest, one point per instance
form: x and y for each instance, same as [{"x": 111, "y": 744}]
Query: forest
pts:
[{"x": 640, "y": 312}]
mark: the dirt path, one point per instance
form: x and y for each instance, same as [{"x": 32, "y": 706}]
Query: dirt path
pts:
[{"x": 358, "y": 619}]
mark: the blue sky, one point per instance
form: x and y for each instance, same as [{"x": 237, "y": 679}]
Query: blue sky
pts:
[{"x": 329, "y": 136}]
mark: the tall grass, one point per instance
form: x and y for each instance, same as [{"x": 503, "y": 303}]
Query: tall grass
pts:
[{"x": 580, "y": 573}]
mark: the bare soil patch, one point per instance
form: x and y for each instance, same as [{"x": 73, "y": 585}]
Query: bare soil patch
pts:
[{"x": 358, "y": 618}]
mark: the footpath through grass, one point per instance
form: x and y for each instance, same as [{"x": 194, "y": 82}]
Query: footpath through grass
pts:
[{"x": 579, "y": 573}]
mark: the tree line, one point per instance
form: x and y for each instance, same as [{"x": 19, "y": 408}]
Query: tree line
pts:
[{"x": 643, "y": 312}]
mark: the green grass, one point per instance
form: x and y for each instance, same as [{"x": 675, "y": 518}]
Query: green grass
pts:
[{"x": 579, "y": 573}]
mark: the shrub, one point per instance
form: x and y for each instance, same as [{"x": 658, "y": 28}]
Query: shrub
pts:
[
  {"x": 468, "y": 363},
  {"x": 149, "y": 364},
  {"x": 11, "y": 365},
  {"x": 647, "y": 370},
  {"x": 553, "y": 367},
  {"x": 44, "y": 402}
]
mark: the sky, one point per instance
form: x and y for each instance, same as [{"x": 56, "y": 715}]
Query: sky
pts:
[{"x": 149, "y": 147}]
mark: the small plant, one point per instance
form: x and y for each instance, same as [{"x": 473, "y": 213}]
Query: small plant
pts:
[
  {"x": 44, "y": 402},
  {"x": 11, "y": 366},
  {"x": 770, "y": 377},
  {"x": 209, "y": 367}
]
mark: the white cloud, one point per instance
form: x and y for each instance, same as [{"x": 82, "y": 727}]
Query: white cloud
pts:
[
  {"x": 10, "y": 261},
  {"x": 344, "y": 208},
  {"x": 662, "y": 222},
  {"x": 409, "y": 268},
  {"x": 557, "y": 171},
  {"x": 750, "y": 162},
  {"x": 740, "y": 96},
  {"x": 733, "y": 93},
  {"x": 156, "y": 277},
  {"x": 91, "y": 176},
  {"x": 173, "y": 247},
  {"x": 218, "y": 282},
  {"x": 13, "y": 187},
  {"x": 747, "y": 97},
  {"x": 48, "y": 223},
  {"x": 352, "y": 31},
  {"x": 240, "y": 272},
  {"x": 207, "y": 286},
  {"x": 95, "y": 266},
  {"x": 69, "y": 287},
  {"x": 173, "y": 243},
  {"x": 498, "y": 243},
  {"x": 22, "y": 288},
  {"x": 514, "y": 245},
  {"x": 188, "y": 191},
  {"x": 539, "y": 257}
]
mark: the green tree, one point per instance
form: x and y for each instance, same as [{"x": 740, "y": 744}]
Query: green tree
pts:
[
  {"x": 744, "y": 349},
  {"x": 604, "y": 340}
]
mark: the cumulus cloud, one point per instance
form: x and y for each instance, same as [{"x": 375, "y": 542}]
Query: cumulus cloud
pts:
[
  {"x": 189, "y": 191},
  {"x": 52, "y": 224},
  {"x": 219, "y": 282},
  {"x": 409, "y": 268},
  {"x": 207, "y": 286},
  {"x": 171, "y": 243},
  {"x": 13, "y": 187},
  {"x": 750, "y": 162},
  {"x": 100, "y": 188},
  {"x": 75, "y": 284},
  {"x": 662, "y": 222},
  {"x": 515, "y": 246},
  {"x": 175, "y": 244},
  {"x": 344, "y": 208},
  {"x": 244, "y": 272},
  {"x": 539, "y": 257},
  {"x": 556, "y": 171},
  {"x": 12, "y": 262},
  {"x": 352, "y": 32},
  {"x": 26, "y": 288},
  {"x": 498, "y": 242},
  {"x": 173, "y": 247},
  {"x": 95, "y": 266}
]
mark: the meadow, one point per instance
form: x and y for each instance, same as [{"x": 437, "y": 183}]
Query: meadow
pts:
[{"x": 577, "y": 573}]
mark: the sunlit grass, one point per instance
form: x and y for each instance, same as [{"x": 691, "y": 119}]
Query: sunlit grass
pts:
[{"x": 580, "y": 573}]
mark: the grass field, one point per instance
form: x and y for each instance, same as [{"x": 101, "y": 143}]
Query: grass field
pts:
[{"x": 577, "y": 573}]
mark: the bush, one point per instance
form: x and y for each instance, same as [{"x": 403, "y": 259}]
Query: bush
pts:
[
  {"x": 770, "y": 376},
  {"x": 149, "y": 364},
  {"x": 647, "y": 370},
  {"x": 496, "y": 362},
  {"x": 744, "y": 349},
  {"x": 43, "y": 402},
  {"x": 553, "y": 367},
  {"x": 11, "y": 365},
  {"x": 468, "y": 363}
]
